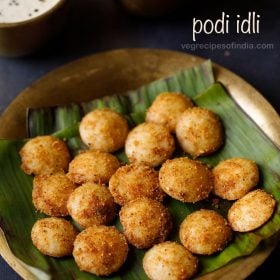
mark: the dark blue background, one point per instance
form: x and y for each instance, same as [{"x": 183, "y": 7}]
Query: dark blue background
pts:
[{"x": 99, "y": 25}]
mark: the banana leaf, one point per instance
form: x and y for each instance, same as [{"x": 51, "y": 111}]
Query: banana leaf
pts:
[
  {"x": 132, "y": 104},
  {"x": 243, "y": 138}
]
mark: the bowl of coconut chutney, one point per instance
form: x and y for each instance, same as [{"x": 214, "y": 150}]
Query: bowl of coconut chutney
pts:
[{"x": 26, "y": 25}]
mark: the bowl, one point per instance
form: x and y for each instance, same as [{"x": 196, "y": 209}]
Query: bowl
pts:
[{"x": 24, "y": 37}]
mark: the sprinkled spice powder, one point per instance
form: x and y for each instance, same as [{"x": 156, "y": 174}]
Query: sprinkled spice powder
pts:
[{"x": 21, "y": 10}]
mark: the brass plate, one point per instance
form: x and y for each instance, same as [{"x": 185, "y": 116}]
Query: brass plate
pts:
[{"x": 119, "y": 71}]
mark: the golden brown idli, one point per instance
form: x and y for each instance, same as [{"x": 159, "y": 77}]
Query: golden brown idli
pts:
[
  {"x": 185, "y": 179},
  {"x": 145, "y": 222},
  {"x": 150, "y": 144},
  {"x": 100, "y": 250},
  {"x": 134, "y": 181},
  {"x": 205, "y": 232},
  {"x": 93, "y": 167},
  {"x": 44, "y": 155},
  {"x": 251, "y": 211},
  {"x": 166, "y": 109},
  {"x": 199, "y": 132},
  {"x": 235, "y": 177},
  {"x": 54, "y": 236},
  {"x": 169, "y": 261},
  {"x": 92, "y": 204},
  {"x": 50, "y": 193},
  {"x": 104, "y": 130}
]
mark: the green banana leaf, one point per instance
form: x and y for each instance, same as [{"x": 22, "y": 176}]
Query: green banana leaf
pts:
[
  {"x": 132, "y": 104},
  {"x": 243, "y": 138}
]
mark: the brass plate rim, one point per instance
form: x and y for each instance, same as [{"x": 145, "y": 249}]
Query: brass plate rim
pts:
[{"x": 245, "y": 95}]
